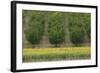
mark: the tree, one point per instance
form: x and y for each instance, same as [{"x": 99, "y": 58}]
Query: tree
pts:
[
  {"x": 87, "y": 26},
  {"x": 35, "y": 28},
  {"x": 76, "y": 29},
  {"x": 56, "y": 31}
]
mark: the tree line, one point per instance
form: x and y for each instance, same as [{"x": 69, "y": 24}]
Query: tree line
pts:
[{"x": 58, "y": 27}]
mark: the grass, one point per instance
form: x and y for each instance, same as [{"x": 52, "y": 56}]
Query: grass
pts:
[{"x": 53, "y": 54}]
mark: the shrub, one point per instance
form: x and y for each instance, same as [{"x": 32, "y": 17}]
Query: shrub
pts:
[
  {"x": 56, "y": 28},
  {"x": 35, "y": 28},
  {"x": 76, "y": 34}
]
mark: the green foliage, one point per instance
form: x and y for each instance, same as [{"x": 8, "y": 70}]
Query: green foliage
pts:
[
  {"x": 34, "y": 31},
  {"x": 76, "y": 29},
  {"x": 78, "y": 24},
  {"x": 56, "y": 31},
  {"x": 77, "y": 36},
  {"x": 87, "y": 26}
]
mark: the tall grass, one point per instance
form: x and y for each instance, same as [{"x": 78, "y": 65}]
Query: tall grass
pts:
[{"x": 52, "y": 54}]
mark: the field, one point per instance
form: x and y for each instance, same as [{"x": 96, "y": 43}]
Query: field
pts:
[{"x": 53, "y": 54}]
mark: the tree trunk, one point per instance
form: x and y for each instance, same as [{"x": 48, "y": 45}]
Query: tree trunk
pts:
[
  {"x": 45, "y": 41},
  {"x": 67, "y": 36}
]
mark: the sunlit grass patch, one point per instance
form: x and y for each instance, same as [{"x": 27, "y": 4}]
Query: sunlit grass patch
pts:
[{"x": 51, "y": 54}]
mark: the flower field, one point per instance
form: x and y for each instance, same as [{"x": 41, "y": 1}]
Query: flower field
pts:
[{"x": 54, "y": 54}]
